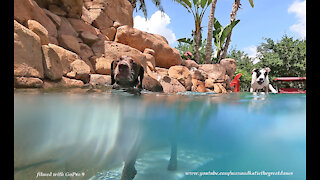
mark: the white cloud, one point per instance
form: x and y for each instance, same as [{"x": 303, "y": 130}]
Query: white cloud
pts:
[
  {"x": 157, "y": 24},
  {"x": 299, "y": 9},
  {"x": 252, "y": 53}
]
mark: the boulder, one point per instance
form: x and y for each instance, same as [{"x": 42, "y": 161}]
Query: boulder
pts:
[
  {"x": 25, "y": 10},
  {"x": 209, "y": 83},
  {"x": 85, "y": 51},
  {"x": 165, "y": 56},
  {"x": 151, "y": 84},
  {"x": 64, "y": 82},
  {"x": 39, "y": 30},
  {"x": 109, "y": 32},
  {"x": 162, "y": 71},
  {"x": 66, "y": 57},
  {"x": 231, "y": 67},
  {"x": 102, "y": 65},
  {"x": 190, "y": 64},
  {"x": 198, "y": 74},
  {"x": 88, "y": 38},
  {"x": 198, "y": 86},
  {"x": 57, "y": 10},
  {"x": 69, "y": 42},
  {"x": 51, "y": 63},
  {"x": 119, "y": 11},
  {"x": 81, "y": 26},
  {"x": 98, "y": 48},
  {"x": 171, "y": 85},
  {"x": 66, "y": 28},
  {"x": 151, "y": 62},
  {"x": 27, "y": 52},
  {"x": 99, "y": 80},
  {"x": 79, "y": 70},
  {"x": 54, "y": 18},
  {"x": 214, "y": 71},
  {"x": 182, "y": 74},
  {"x": 27, "y": 82}
]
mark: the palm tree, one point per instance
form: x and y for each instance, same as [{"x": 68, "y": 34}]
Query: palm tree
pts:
[
  {"x": 197, "y": 8},
  {"x": 235, "y": 7},
  {"x": 142, "y": 6},
  {"x": 210, "y": 33}
]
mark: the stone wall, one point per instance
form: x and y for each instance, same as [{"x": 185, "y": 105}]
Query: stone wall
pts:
[{"x": 69, "y": 43}]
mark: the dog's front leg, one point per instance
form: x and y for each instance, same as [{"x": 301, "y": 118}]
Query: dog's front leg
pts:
[
  {"x": 251, "y": 90},
  {"x": 272, "y": 89},
  {"x": 266, "y": 90}
]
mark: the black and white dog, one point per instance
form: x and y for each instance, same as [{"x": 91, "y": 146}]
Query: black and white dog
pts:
[{"x": 260, "y": 80}]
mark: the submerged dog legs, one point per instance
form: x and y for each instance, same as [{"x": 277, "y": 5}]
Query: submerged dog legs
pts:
[
  {"x": 173, "y": 162},
  {"x": 129, "y": 171}
]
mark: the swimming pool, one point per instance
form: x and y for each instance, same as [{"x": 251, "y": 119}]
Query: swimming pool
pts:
[{"x": 88, "y": 135}]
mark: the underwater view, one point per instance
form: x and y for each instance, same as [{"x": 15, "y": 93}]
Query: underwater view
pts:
[{"x": 191, "y": 135}]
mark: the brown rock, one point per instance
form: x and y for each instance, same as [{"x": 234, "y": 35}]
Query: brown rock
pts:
[
  {"x": 171, "y": 85},
  {"x": 198, "y": 74},
  {"x": 231, "y": 67},
  {"x": 98, "y": 48},
  {"x": 79, "y": 70},
  {"x": 162, "y": 71},
  {"x": 39, "y": 30},
  {"x": 66, "y": 28},
  {"x": 69, "y": 42},
  {"x": 223, "y": 90},
  {"x": 103, "y": 65},
  {"x": 81, "y": 26},
  {"x": 151, "y": 84},
  {"x": 198, "y": 86},
  {"x": 214, "y": 71},
  {"x": 72, "y": 7},
  {"x": 85, "y": 51},
  {"x": 66, "y": 57},
  {"x": 25, "y": 10},
  {"x": 54, "y": 18},
  {"x": 102, "y": 20},
  {"x": 165, "y": 56},
  {"x": 182, "y": 74},
  {"x": 209, "y": 83},
  {"x": 51, "y": 63},
  {"x": 100, "y": 80},
  {"x": 109, "y": 32},
  {"x": 57, "y": 10},
  {"x": 190, "y": 64},
  {"x": 216, "y": 88},
  {"x": 64, "y": 82},
  {"x": 89, "y": 38},
  {"x": 27, "y": 82},
  {"x": 26, "y": 63},
  {"x": 120, "y": 11}
]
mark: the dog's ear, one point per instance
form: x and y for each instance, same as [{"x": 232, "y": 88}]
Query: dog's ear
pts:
[
  {"x": 141, "y": 75},
  {"x": 267, "y": 69},
  {"x": 253, "y": 70},
  {"x": 112, "y": 74}
]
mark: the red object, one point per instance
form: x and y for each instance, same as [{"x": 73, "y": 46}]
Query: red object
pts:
[
  {"x": 236, "y": 82},
  {"x": 187, "y": 54},
  {"x": 291, "y": 90},
  {"x": 290, "y": 78}
]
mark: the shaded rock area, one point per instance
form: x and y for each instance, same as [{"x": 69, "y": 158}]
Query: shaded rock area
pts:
[{"x": 72, "y": 43}]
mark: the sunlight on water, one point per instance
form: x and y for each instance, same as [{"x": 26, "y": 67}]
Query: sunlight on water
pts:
[{"x": 95, "y": 133}]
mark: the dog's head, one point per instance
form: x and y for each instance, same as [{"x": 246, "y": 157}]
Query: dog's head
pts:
[
  {"x": 260, "y": 75},
  {"x": 125, "y": 72}
]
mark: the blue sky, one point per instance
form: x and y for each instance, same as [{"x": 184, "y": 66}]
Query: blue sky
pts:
[{"x": 268, "y": 19}]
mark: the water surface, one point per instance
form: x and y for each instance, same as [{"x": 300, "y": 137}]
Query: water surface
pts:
[{"x": 94, "y": 132}]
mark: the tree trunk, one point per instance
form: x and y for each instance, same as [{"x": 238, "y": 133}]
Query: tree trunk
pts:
[
  {"x": 196, "y": 46},
  {"x": 210, "y": 33},
  {"x": 233, "y": 14}
]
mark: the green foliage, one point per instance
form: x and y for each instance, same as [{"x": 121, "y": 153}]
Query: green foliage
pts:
[
  {"x": 187, "y": 44},
  {"x": 285, "y": 58},
  {"x": 220, "y": 34}
]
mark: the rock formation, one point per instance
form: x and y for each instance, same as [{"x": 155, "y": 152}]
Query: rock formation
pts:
[{"x": 71, "y": 43}]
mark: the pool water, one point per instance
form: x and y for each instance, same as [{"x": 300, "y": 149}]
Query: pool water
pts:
[{"x": 93, "y": 133}]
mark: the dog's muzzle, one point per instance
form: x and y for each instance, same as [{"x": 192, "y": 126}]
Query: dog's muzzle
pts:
[{"x": 260, "y": 81}]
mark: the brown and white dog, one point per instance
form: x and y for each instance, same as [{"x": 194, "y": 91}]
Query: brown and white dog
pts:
[
  {"x": 125, "y": 72},
  {"x": 260, "y": 80}
]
